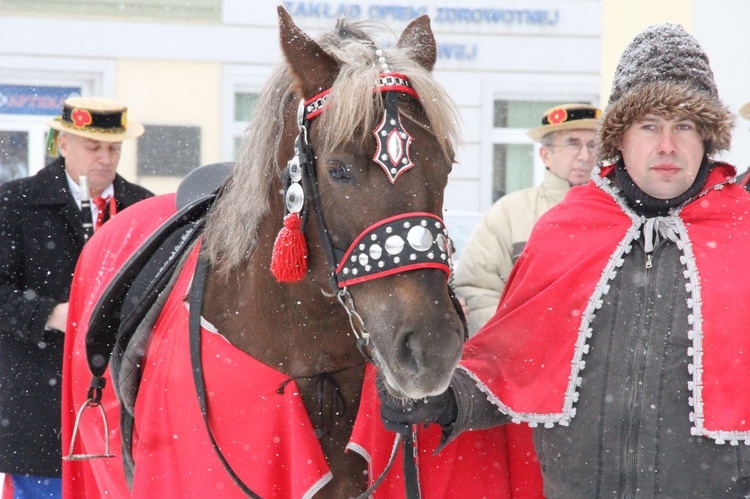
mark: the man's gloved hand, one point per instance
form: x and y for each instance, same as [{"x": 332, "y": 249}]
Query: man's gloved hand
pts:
[{"x": 399, "y": 414}]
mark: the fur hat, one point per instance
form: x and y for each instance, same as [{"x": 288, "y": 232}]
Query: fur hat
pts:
[
  {"x": 745, "y": 111},
  {"x": 664, "y": 71},
  {"x": 96, "y": 118},
  {"x": 566, "y": 117}
]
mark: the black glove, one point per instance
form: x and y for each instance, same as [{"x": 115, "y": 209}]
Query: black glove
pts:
[{"x": 399, "y": 414}]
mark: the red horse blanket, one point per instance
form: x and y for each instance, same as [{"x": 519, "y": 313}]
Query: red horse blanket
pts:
[{"x": 265, "y": 435}]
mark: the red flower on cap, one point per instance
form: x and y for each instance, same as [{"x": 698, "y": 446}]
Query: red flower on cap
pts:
[
  {"x": 557, "y": 116},
  {"x": 80, "y": 117}
]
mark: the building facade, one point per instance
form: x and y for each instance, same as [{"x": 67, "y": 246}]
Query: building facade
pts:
[{"x": 189, "y": 70}]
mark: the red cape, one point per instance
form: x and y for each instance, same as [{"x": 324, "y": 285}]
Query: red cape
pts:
[
  {"x": 174, "y": 455},
  {"x": 530, "y": 357}
]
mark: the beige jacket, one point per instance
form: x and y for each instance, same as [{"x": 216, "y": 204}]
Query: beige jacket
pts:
[{"x": 497, "y": 242}]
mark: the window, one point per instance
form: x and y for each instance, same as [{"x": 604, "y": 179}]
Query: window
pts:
[
  {"x": 24, "y": 112},
  {"x": 169, "y": 151},
  {"x": 244, "y": 112},
  {"x": 513, "y": 163},
  {"x": 241, "y": 88},
  {"x": 14, "y": 152}
]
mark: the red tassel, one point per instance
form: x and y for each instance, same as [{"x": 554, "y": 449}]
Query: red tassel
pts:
[{"x": 289, "y": 258}]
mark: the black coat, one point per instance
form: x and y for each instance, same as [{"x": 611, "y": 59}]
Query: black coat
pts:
[{"x": 41, "y": 236}]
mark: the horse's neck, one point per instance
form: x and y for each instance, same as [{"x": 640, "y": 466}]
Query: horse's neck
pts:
[
  {"x": 293, "y": 328},
  {"x": 298, "y": 331}
]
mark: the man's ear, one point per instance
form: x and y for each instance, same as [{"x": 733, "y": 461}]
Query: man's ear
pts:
[
  {"x": 544, "y": 153},
  {"x": 62, "y": 144}
]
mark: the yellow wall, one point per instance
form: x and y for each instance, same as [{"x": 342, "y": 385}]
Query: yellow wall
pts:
[
  {"x": 623, "y": 19},
  {"x": 170, "y": 93}
]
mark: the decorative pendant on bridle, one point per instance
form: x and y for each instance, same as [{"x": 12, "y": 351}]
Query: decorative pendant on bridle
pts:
[
  {"x": 294, "y": 197},
  {"x": 393, "y": 141}
]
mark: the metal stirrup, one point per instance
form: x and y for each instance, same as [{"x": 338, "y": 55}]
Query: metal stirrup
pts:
[{"x": 90, "y": 403}]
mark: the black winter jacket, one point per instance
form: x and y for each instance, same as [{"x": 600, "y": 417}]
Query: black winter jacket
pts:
[{"x": 41, "y": 236}]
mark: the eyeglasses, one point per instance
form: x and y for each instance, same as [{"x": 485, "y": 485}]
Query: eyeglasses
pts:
[{"x": 575, "y": 147}]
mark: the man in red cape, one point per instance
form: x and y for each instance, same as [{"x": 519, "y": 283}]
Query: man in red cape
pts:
[{"x": 621, "y": 337}]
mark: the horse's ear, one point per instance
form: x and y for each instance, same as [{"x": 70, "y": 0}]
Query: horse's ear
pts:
[
  {"x": 312, "y": 67},
  {"x": 418, "y": 36}
]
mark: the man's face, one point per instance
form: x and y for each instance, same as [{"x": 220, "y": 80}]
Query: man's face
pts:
[
  {"x": 95, "y": 159},
  {"x": 570, "y": 156},
  {"x": 662, "y": 156}
]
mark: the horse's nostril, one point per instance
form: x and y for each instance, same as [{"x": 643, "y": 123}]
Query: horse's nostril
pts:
[{"x": 408, "y": 351}]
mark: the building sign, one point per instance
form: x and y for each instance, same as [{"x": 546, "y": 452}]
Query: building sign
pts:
[
  {"x": 439, "y": 15},
  {"x": 447, "y": 19},
  {"x": 34, "y": 100}
]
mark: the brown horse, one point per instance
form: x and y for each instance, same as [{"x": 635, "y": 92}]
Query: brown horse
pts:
[{"x": 376, "y": 133}]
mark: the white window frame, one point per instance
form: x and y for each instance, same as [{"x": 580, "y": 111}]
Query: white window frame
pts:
[{"x": 535, "y": 87}]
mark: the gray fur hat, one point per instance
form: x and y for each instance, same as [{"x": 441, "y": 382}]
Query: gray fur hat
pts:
[{"x": 664, "y": 71}]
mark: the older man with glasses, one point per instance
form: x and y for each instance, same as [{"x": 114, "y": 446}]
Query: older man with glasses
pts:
[{"x": 567, "y": 137}]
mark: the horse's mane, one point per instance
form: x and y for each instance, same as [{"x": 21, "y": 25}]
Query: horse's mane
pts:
[{"x": 231, "y": 231}]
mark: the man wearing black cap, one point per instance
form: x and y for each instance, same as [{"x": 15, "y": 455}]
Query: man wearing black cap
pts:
[
  {"x": 566, "y": 135},
  {"x": 42, "y": 232},
  {"x": 622, "y": 337}
]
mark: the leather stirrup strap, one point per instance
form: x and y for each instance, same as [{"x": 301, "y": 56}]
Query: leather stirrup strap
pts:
[{"x": 196, "y": 304}]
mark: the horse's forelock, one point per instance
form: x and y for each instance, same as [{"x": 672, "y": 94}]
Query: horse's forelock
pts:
[
  {"x": 351, "y": 104},
  {"x": 232, "y": 226}
]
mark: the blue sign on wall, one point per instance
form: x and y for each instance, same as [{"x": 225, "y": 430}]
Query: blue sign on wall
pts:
[{"x": 35, "y": 100}]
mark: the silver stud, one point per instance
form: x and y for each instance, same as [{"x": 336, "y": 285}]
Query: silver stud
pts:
[
  {"x": 295, "y": 198},
  {"x": 442, "y": 242},
  {"x": 363, "y": 259},
  {"x": 419, "y": 238},
  {"x": 394, "y": 245},
  {"x": 295, "y": 172},
  {"x": 376, "y": 251}
]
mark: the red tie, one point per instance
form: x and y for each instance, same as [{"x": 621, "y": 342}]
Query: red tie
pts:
[{"x": 101, "y": 203}]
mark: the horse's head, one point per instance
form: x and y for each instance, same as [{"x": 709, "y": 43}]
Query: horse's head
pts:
[
  {"x": 380, "y": 131},
  {"x": 363, "y": 164}
]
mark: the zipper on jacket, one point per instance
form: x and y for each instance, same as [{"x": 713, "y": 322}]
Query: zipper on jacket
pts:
[{"x": 629, "y": 481}]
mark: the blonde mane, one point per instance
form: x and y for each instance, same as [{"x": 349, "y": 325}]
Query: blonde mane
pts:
[{"x": 231, "y": 231}]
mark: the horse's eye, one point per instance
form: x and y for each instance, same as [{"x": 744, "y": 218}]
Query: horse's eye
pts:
[{"x": 339, "y": 171}]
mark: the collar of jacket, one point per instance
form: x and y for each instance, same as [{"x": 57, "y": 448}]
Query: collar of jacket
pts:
[
  {"x": 554, "y": 187},
  {"x": 51, "y": 186}
]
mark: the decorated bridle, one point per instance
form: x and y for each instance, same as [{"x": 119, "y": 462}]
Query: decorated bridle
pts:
[{"x": 408, "y": 241}]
